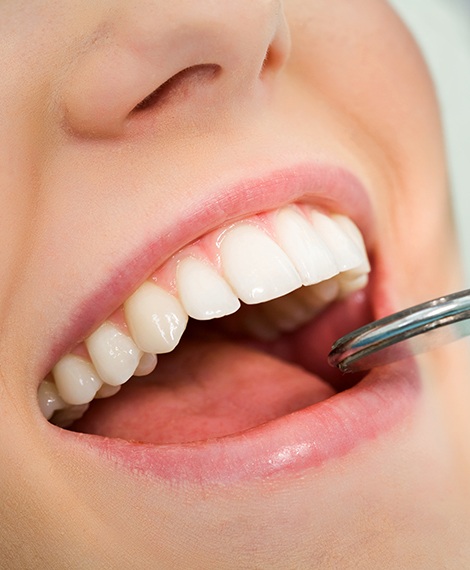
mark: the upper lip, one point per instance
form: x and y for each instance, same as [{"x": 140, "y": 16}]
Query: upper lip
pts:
[{"x": 322, "y": 185}]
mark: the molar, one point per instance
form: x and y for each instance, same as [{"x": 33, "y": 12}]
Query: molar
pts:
[
  {"x": 203, "y": 292},
  {"x": 66, "y": 416},
  {"x": 49, "y": 398},
  {"x": 155, "y": 318},
  {"x": 255, "y": 266}
]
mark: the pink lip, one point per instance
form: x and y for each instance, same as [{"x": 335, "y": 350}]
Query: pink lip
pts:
[
  {"x": 295, "y": 442},
  {"x": 291, "y": 444},
  {"x": 327, "y": 186}
]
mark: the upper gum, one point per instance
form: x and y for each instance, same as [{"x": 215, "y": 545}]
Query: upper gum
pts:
[{"x": 204, "y": 248}]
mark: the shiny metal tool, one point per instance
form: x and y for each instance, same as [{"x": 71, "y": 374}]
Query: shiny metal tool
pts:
[{"x": 406, "y": 333}]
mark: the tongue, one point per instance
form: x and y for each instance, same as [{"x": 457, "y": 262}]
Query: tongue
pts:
[{"x": 204, "y": 390}]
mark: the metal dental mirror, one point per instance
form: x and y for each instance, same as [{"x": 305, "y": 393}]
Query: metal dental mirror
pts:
[{"x": 408, "y": 332}]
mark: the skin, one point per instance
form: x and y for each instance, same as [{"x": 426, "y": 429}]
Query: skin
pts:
[{"x": 86, "y": 179}]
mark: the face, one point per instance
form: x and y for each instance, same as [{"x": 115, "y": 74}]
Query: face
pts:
[{"x": 244, "y": 164}]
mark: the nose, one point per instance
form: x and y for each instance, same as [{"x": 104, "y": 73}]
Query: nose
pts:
[{"x": 161, "y": 54}]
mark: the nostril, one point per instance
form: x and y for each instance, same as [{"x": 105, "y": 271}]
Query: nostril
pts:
[{"x": 179, "y": 86}]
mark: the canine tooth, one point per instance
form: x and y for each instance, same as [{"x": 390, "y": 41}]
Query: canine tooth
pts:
[
  {"x": 309, "y": 254},
  {"x": 203, "y": 292},
  {"x": 49, "y": 399},
  {"x": 114, "y": 354},
  {"x": 146, "y": 365},
  {"x": 76, "y": 379},
  {"x": 106, "y": 391},
  {"x": 345, "y": 251},
  {"x": 155, "y": 318},
  {"x": 255, "y": 266}
]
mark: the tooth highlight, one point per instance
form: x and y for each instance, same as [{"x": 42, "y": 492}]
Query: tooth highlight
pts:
[
  {"x": 76, "y": 379},
  {"x": 306, "y": 250},
  {"x": 203, "y": 292},
  {"x": 255, "y": 266},
  {"x": 114, "y": 354},
  {"x": 155, "y": 318}
]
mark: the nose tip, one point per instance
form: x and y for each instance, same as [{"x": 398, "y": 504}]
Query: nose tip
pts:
[{"x": 244, "y": 41}]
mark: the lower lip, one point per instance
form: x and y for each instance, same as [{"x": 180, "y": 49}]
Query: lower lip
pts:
[{"x": 328, "y": 430}]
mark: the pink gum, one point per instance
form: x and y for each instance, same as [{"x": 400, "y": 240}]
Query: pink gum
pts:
[{"x": 206, "y": 249}]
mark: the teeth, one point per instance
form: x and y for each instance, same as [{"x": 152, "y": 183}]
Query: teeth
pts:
[
  {"x": 76, "y": 379},
  {"x": 106, "y": 391},
  {"x": 292, "y": 262},
  {"x": 203, "y": 292},
  {"x": 66, "y": 417},
  {"x": 350, "y": 228},
  {"x": 345, "y": 251},
  {"x": 307, "y": 251},
  {"x": 114, "y": 354},
  {"x": 147, "y": 364},
  {"x": 49, "y": 399},
  {"x": 256, "y": 266},
  {"x": 155, "y": 318}
]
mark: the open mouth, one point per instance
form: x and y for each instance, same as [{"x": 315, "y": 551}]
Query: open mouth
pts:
[{"x": 229, "y": 335}]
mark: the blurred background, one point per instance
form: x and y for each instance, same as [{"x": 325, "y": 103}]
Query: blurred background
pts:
[{"x": 442, "y": 28}]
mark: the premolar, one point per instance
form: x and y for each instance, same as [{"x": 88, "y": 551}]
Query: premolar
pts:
[
  {"x": 76, "y": 379},
  {"x": 114, "y": 354},
  {"x": 155, "y": 318}
]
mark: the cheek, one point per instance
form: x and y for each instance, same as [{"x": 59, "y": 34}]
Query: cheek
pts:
[{"x": 370, "y": 71}]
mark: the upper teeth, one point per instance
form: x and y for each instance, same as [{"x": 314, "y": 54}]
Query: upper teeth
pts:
[{"x": 256, "y": 260}]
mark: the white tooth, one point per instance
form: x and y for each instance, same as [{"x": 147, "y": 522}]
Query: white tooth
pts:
[
  {"x": 255, "y": 266},
  {"x": 203, "y": 292},
  {"x": 76, "y": 379},
  {"x": 49, "y": 399},
  {"x": 106, "y": 391},
  {"x": 351, "y": 283},
  {"x": 345, "y": 251},
  {"x": 286, "y": 313},
  {"x": 327, "y": 291},
  {"x": 307, "y": 251},
  {"x": 66, "y": 417},
  {"x": 350, "y": 228},
  {"x": 113, "y": 353},
  {"x": 147, "y": 364},
  {"x": 155, "y": 318}
]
